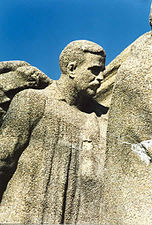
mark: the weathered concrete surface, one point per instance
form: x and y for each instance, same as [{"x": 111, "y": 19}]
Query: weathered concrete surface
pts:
[
  {"x": 128, "y": 169},
  {"x": 16, "y": 76}
]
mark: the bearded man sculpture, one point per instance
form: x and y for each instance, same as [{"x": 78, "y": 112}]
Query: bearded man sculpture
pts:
[{"x": 51, "y": 151}]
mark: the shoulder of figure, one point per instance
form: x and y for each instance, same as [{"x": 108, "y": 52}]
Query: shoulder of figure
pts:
[
  {"x": 30, "y": 96},
  {"x": 26, "y": 104}
]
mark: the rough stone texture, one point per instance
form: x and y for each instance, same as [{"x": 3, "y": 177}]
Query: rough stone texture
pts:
[
  {"x": 104, "y": 92},
  {"x": 53, "y": 146},
  {"x": 128, "y": 168},
  {"x": 61, "y": 169},
  {"x": 16, "y": 76},
  {"x": 59, "y": 175}
]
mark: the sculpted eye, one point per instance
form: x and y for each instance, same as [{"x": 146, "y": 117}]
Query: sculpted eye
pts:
[{"x": 95, "y": 70}]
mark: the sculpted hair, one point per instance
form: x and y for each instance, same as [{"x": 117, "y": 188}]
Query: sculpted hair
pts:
[{"x": 74, "y": 52}]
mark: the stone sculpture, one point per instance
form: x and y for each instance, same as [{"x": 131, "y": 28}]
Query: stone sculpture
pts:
[
  {"x": 52, "y": 145},
  {"x": 127, "y": 191},
  {"x": 16, "y": 76},
  {"x": 58, "y": 163}
]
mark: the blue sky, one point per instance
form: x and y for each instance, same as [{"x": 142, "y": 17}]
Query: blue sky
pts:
[{"x": 36, "y": 31}]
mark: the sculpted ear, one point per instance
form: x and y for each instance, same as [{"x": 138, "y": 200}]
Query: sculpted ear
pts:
[{"x": 71, "y": 67}]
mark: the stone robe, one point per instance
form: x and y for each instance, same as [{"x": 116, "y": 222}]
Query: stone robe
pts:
[{"x": 59, "y": 173}]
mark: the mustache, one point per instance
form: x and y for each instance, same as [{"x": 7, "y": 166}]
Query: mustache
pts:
[{"x": 95, "y": 85}]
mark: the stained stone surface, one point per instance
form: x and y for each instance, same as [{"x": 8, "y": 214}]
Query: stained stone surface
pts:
[{"x": 128, "y": 168}]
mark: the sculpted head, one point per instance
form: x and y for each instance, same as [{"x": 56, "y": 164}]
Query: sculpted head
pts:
[{"x": 82, "y": 62}]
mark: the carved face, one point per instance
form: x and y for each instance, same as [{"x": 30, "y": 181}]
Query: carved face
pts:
[{"x": 88, "y": 76}]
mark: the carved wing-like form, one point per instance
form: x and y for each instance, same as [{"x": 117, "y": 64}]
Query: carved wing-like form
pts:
[{"x": 16, "y": 76}]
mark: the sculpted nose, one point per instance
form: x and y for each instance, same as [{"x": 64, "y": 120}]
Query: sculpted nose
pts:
[{"x": 100, "y": 77}]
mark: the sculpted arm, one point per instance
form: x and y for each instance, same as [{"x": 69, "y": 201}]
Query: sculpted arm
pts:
[{"x": 24, "y": 112}]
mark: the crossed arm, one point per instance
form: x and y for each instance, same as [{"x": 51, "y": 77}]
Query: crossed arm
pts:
[{"x": 25, "y": 111}]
